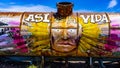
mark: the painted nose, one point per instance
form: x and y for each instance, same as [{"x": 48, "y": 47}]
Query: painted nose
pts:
[{"x": 65, "y": 34}]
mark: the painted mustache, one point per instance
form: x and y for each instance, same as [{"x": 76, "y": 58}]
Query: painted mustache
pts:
[{"x": 64, "y": 42}]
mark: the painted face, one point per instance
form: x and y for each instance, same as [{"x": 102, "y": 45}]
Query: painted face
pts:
[{"x": 65, "y": 35}]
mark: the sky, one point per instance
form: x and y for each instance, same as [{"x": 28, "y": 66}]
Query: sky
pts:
[{"x": 50, "y": 5}]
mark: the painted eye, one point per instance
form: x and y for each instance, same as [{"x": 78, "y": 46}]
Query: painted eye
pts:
[
  {"x": 56, "y": 30},
  {"x": 73, "y": 31}
]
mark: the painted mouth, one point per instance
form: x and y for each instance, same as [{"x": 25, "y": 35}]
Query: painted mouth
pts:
[
  {"x": 64, "y": 45},
  {"x": 71, "y": 43}
]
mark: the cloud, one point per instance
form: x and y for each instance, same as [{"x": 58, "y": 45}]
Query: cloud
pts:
[
  {"x": 13, "y": 7},
  {"x": 33, "y": 8},
  {"x": 112, "y": 3}
]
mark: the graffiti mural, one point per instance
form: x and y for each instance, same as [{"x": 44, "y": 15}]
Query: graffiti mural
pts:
[{"x": 61, "y": 33}]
